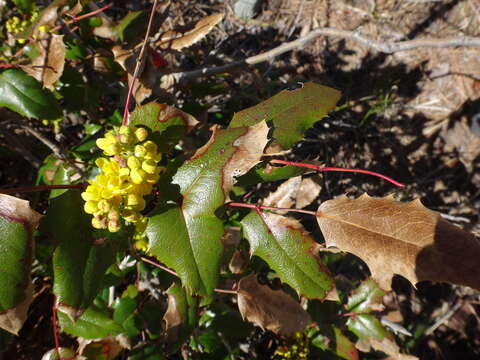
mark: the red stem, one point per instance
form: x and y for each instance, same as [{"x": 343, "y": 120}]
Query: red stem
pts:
[
  {"x": 327, "y": 168},
  {"x": 137, "y": 66},
  {"x": 7, "y": 65},
  {"x": 40, "y": 188}
]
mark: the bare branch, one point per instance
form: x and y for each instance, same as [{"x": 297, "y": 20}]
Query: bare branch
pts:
[{"x": 380, "y": 46}]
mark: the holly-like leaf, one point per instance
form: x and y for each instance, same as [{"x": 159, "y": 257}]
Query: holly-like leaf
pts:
[
  {"x": 48, "y": 66},
  {"x": 181, "y": 316},
  {"x": 178, "y": 40},
  {"x": 170, "y": 122},
  {"x": 291, "y": 111},
  {"x": 82, "y": 254},
  {"x": 17, "y": 224},
  {"x": 23, "y": 94},
  {"x": 366, "y": 298},
  {"x": 188, "y": 238},
  {"x": 270, "y": 309},
  {"x": 95, "y": 323},
  {"x": 401, "y": 238},
  {"x": 290, "y": 251}
]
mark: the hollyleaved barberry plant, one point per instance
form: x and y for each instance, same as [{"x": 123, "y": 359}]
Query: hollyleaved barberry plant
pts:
[{"x": 154, "y": 241}]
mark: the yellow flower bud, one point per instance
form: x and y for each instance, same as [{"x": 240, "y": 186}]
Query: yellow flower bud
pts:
[
  {"x": 113, "y": 215},
  {"x": 43, "y": 28},
  {"x": 104, "y": 205},
  {"x": 135, "y": 202},
  {"x": 149, "y": 166},
  {"x": 124, "y": 172},
  {"x": 90, "y": 207},
  {"x": 103, "y": 143},
  {"x": 125, "y": 139},
  {"x": 124, "y": 130},
  {"x": 133, "y": 162},
  {"x": 141, "y": 134},
  {"x": 137, "y": 176},
  {"x": 98, "y": 224},
  {"x": 90, "y": 196},
  {"x": 112, "y": 149},
  {"x": 140, "y": 151},
  {"x": 131, "y": 216},
  {"x": 113, "y": 225},
  {"x": 101, "y": 162},
  {"x": 150, "y": 146},
  {"x": 141, "y": 245}
]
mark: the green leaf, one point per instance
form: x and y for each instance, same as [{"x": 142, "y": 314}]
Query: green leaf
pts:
[
  {"x": 23, "y": 94},
  {"x": 125, "y": 315},
  {"x": 181, "y": 316},
  {"x": 166, "y": 122},
  {"x": 25, "y": 6},
  {"x": 291, "y": 111},
  {"x": 259, "y": 174},
  {"x": 187, "y": 238},
  {"x": 367, "y": 326},
  {"x": 83, "y": 254},
  {"x": 96, "y": 322},
  {"x": 17, "y": 224},
  {"x": 290, "y": 251},
  {"x": 344, "y": 347},
  {"x": 148, "y": 353},
  {"x": 364, "y": 297},
  {"x": 132, "y": 25}
]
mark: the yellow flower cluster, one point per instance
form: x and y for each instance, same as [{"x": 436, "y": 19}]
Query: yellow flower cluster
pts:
[
  {"x": 298, "y": 349},
  {"x": 126, "y": 175},
  {"x": 16, "y": 26}
]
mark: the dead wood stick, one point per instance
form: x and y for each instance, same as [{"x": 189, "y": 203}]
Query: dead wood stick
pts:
[{"x": 387, "y": 47}]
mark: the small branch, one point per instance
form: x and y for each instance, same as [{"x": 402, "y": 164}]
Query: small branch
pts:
[
  {"x": 81, "y": 17},
  {"x": 387, "y": 47},
  {"x": 19, "y": 147},
  {"x": 40, "y": 188},
  {"x": 258, "y": 208},
  {"x": 138, "y": 65},
  {"x": 327, "y": 168},
  {"x": 164, "y": 268},
  {"x": 55, "y": 148}
]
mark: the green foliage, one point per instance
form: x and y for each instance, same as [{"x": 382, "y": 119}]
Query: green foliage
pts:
[
  {"x": 290, "y": 252},
  {"x": 17, "y": 242},
  {"x": 23, "y": 94},
  {"x": 82, "y": 254},
  {"x": 291, "y": 112},
  {"x": 101, "y": 282}
]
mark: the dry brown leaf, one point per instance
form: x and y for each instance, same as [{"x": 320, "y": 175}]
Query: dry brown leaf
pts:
[
  {"x": 270, "y": 309},
  {"x": 308, "y": 191},
  {"x": 19, "y": 210},
  {"x": 401, "y": 238},
  {"x": 177, "y": 40},
  {"x": 389, "y": 347},
  {"x": 465, "y": 141},
  {"x": 110, "y": 346},
  {"x": 48, "y": 66},
  {"x": 172, "y": 321},
  {"x": 248, "y": 152},
  {"x": 284, "y": 196}
]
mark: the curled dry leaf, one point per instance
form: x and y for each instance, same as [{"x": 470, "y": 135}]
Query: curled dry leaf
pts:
[
  {"x": 270, "y": 309},
  {"x": 17, "y": 224},
  {"x": 106, "y": 349},
  {"x": 248, "y": 152},
  {"x": 178, "y": 40},
  {"x": 401, "y": 238},
  {"x": 48, "y": 66},
  {"x": 295, "y": 190},
  {"x": 389, "y": 347}
]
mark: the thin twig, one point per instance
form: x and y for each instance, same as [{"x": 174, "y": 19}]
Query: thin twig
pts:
[
  {"x": 55, "y": 149},
  {"x": 170, "y": 271},
  {"x": 140, "y": 60},
  {"x": 26, "y": 189},
  {"x": 264, "y": 207},
  {"x": 388, "y": 47},
  {"x": 19, "y": 147}
]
